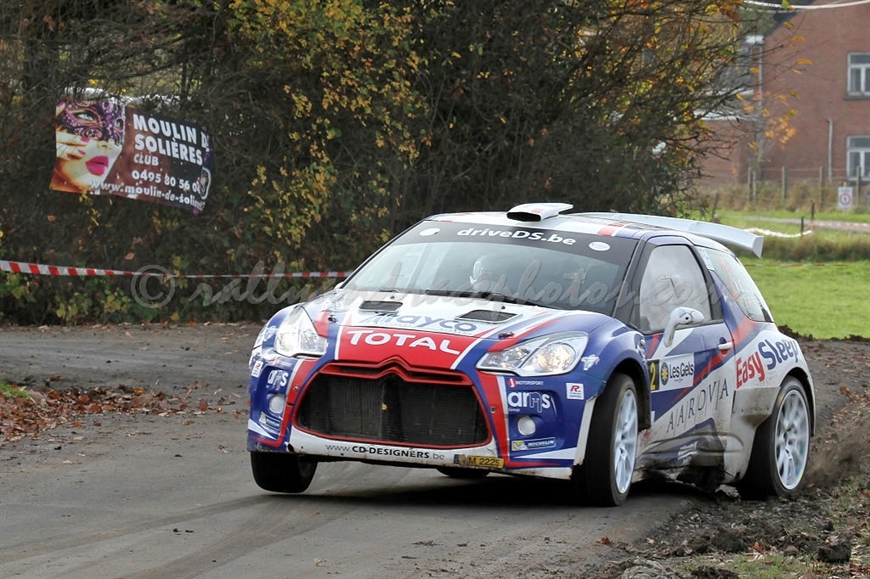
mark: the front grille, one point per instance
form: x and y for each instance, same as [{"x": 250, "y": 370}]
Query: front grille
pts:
[{"x": 391, "y": 409}]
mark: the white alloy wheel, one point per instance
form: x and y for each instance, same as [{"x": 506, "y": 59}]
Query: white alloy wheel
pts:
[
  {"x": 604, "y": 477},
  {"x": 792, "y": 439},
  {"x": 625, "y": 441},
  {"x": 780, "y": 451}
]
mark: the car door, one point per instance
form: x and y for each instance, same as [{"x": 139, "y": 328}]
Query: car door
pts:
[{"x": 690, "y": 389}]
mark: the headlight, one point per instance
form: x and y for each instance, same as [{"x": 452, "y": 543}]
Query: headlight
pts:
[
  {"x": 551, "y": 355},
  {"x": 296, "y": 336}
]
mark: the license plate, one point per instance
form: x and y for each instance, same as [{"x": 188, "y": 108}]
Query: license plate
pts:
[{"x": 481, "y": 461}]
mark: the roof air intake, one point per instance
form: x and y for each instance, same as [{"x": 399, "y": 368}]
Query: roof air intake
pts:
[{"x": 537, "y": 211}]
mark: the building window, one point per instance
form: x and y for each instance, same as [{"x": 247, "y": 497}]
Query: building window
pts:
[
  {"x": 859, "y": 73},
  {"x": 858, "y": 157}
]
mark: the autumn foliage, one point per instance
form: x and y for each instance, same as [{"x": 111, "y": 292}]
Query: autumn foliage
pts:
[{"x": 338, "y": 123}]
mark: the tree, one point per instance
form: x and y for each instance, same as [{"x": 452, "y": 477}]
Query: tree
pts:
[
  {"x": 594, "y": 102},
  {"x": 339, "y": 122}
]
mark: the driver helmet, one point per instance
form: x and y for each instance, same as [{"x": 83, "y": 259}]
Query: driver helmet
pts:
[{"x": 486, "y": 272}]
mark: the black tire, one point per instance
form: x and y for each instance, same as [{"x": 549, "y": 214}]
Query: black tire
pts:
[
  {"x": 604, "y": 478},
  {"x": 780, "y": 451},
  {"x": 463, "y": 473},
  {"x": 281, "y": 472}
]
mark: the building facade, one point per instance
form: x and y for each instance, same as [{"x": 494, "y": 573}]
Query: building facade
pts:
[{"x": 808, "y": 116}]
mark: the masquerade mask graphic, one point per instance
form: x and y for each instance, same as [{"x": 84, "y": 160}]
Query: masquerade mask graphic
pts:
[{"x": 100, "y": 120}]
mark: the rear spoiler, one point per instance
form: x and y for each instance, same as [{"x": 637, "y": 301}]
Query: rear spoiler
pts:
[{"x": 722, "y": 233}]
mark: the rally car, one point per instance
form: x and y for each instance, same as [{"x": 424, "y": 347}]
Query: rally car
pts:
[{"x": 597, "y": 348}]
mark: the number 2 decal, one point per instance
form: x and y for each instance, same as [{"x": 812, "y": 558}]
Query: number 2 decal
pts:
[{"x": 653, "y": 376}]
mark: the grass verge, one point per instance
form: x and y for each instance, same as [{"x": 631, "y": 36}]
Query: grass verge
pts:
[{"x": 824, "y": 301}]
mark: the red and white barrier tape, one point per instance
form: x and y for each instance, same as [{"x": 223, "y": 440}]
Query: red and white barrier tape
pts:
[
  {"x": 769, "y": 233},
  {"x": 41, "y": 269}
]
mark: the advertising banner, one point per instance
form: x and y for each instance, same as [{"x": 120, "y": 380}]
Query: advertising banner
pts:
[{"x": 108, "y": 147}]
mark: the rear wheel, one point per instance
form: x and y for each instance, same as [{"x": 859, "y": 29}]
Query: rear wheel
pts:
[
  {"x": 604, "y": 478},
  {"x": 458, "y": 472},
  {"x": 781, "y": 447},
  {"x": 281, "y": 472}
]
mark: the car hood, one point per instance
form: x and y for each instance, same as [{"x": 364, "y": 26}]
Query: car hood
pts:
[{"x": 430, "y": 330}]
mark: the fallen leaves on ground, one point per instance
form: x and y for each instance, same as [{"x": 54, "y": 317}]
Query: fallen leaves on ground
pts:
[{"x": 47, "y": 408}]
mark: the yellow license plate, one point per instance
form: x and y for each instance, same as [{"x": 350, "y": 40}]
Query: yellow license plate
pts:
[{"x": 481, "y": 461}]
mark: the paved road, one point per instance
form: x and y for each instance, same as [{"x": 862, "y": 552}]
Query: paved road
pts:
[
  {"x": 144, "y": 496},
  {"x": 152, "y": 497}
]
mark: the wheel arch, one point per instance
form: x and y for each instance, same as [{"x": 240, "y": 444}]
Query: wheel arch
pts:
[
  {"x": 801, "y": 376},
  {"x": 640, "y": 376}
]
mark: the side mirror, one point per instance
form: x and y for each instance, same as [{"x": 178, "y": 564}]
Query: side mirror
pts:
[{"x": 680, "y": 318}]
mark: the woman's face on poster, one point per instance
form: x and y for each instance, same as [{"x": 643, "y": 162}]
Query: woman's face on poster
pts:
[{"x": 89, "y": 137}]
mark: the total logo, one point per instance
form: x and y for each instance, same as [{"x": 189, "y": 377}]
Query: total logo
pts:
[
  {"x": 535, "y": 402},
  {"x": 372, "y": 338}
]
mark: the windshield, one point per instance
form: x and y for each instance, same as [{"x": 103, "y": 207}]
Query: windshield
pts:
[{"x": 563, "y": 270}]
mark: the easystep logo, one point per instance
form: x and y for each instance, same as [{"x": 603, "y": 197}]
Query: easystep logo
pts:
[{"x": 543, "y": 236}]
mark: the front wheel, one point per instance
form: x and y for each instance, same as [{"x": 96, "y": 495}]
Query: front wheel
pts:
[
  {"x": 781, "y": 448},
  {"x": 604, "y": 478},
  {"x": 281, "y": 472}
]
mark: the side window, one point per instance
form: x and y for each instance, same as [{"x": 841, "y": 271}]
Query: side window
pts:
[
  {"x": 672, "y": 278},
  {"x": 739, "y": 284}
]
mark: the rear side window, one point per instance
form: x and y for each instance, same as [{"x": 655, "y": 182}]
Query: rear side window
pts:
[{"x": 739, "y": 284}]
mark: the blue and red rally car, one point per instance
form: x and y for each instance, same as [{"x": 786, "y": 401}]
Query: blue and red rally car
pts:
[{"x": 598, "y": 348}]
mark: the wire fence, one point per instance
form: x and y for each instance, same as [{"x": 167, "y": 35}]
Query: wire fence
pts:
[{"x": 815, "y": 185}]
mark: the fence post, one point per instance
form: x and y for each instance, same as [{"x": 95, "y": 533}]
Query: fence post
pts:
[
  {"x": 821, "y": 187},
  {"x": 784, "y": 182},
  {"x": 749, "y": 183},
  {"x": 858, "y": 195}
]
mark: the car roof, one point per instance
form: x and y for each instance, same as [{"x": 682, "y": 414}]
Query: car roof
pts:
[{"x": 552, "y": 216}]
